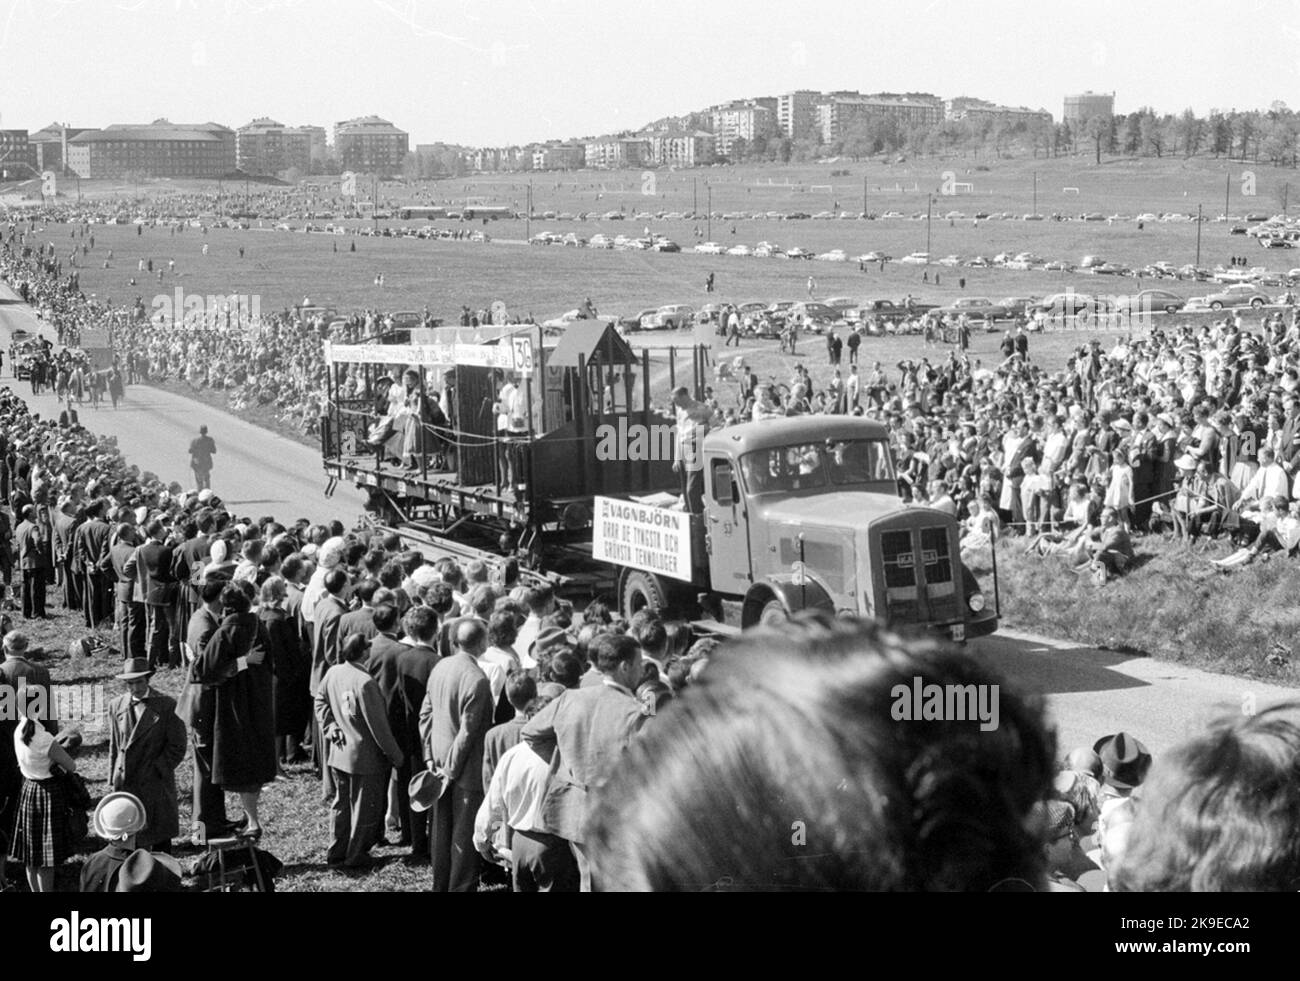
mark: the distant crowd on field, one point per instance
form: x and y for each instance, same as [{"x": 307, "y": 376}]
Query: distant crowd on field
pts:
[{"x": 1193, "y": 431}]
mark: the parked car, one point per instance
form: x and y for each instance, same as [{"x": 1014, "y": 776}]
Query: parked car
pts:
[
  {"x": 814, "y": 316},
  {"x": 709, "y": 248},
  {"x": 670, "y": 317},
  {"x": 916, "y": 259},
  {"x": 741, "y": 250},
  {"x": 666, "y": 245},
  {"x": 633, "y": 323},
  {"x": 1070, "y": 304},
  {"x": 1016, "y": 306},
  {"x": 1148, "y": 301},
  {"x": 834, "y": 255},
  {"x": 798, "y": 253},
  {"x": 1233, "y": 296},
  {"x": 974, "y": 307}
]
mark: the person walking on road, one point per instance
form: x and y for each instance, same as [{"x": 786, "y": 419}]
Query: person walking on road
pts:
[{"x": 201, "y": 452}]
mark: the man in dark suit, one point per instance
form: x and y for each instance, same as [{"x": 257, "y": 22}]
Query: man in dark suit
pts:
[
  {"x": 33, "y": 560},
  {"x": 583, "y": 735},
  {"x": 130, "y": 615},
  {"x": 187, "y": 560},
  {"x": 65, "y": 528},
  {"x": 90, "y": 549},
  {"x": 324, "y": 655},
  {"x": 152, "y": 568},
  {"x": 401, "y": 669},
  {"x": 209, "y": 800},
  {"x": 362, "y": 620},
  {"x": 292, "y": 571},
  {"x": 454, "y": 717},
  {"x": 361, "y": 751},
  {"x": 146, "y": 743}
]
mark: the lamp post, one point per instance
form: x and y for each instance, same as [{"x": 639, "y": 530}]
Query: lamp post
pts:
[
  {"x": 929, "y": 206},
  {"x": 709, "y": 188}
]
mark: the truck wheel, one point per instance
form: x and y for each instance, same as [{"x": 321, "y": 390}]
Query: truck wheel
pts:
[
  {"x": 773, "y": 614},
  {"x": 642, "y": 591}
]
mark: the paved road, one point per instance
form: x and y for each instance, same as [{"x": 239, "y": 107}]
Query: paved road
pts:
[
  {"x": 256, "y": 471},
  {"x": 1094, "y": 693},
  {"x": 1090, "y": 693}
]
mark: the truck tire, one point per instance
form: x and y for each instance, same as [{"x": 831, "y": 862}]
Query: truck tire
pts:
[
  {"x": 642, "y": 591},
  {"x": 773, "y": 614}
]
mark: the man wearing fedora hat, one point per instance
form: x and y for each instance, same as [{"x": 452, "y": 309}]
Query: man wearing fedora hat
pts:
[
  {"x": 119, "y": 818},
  {"x": 146, "y": 743},
  {"x": 1124, "y": 761},
  {"x": 146, "y": 871}
]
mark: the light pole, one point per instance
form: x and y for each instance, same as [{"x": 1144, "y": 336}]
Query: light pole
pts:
[
  {"x": 1198, "y": 235},
  {"x": 929, "y": 206},
  {"x": 709, "y": 188},
  {"x": 1035, "y": 193}
]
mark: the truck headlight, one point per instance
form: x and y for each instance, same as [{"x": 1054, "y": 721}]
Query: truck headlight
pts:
[{"x": 976, "y": 602}]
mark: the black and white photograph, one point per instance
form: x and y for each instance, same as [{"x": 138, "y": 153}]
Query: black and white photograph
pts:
[{"x": 645, "y": 447}]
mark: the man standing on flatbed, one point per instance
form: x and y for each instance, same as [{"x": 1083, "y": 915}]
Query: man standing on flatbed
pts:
[{"x": 201, "y": 450}]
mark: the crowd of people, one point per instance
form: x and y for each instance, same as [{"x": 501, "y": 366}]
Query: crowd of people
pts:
[
  {"x": 473, "y": 717},
  {"x": 1191, "y": 431}
]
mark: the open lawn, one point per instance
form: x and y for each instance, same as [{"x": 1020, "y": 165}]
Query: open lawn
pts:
[{"x": 1174, "y": 605}]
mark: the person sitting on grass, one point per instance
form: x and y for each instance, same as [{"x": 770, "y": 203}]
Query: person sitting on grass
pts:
[
  {"x": 1279, "y": 531},
  {"x": 1106, "y": 551}
]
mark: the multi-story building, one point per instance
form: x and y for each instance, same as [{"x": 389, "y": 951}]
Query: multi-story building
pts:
[
  {"x": 975, "y": 110},
  {"x": 612, "y": 152},
  {"x": 49, "y": 146},
  {"x": 317, "y": 140},
  {"x": 267, "y": 147},
  {"x": 369, "y": 143},
  {"x": 1081, "y": 108},
  {"x": 558, "y": 156},
  {"x": 16, "y": 149},
  {"x": 740, "y": 121},
  {"x": 838, "y": 112},
  {"x": 795, "y": 112},
  {"x": 157, "y": 149},
  {"x": 681, "y": 148}
]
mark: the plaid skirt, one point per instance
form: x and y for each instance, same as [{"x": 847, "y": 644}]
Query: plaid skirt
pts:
[{"x": 41, "y": 837}]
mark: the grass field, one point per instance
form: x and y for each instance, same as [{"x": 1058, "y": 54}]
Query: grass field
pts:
[{"x": 1174, "y": 606}]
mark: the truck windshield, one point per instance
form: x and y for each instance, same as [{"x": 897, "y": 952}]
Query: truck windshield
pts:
[{"x": 806, "y": 466}]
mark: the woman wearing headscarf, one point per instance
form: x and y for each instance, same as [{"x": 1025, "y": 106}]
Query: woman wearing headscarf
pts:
[{"x": 243, "y": 733}]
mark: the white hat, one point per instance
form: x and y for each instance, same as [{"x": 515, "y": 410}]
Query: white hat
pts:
[
  {"x": 331, "y": 553},
  {"x": 205, "y": 495},
  {"x": 118, "y": 816}
]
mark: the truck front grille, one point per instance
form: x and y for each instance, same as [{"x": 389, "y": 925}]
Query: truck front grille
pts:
[{"x": 918, "y": 570}]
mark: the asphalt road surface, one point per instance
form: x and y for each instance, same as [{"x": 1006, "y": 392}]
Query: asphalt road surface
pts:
[
  {"x": 1090, "y": 693},
  {"x": 256, "y": 472}
]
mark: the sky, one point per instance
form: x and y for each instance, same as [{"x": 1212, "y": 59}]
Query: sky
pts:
[{"x": 495, "y": 72}]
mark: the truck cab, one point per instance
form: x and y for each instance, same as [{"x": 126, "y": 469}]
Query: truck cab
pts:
[{"x": 804, "y": 512}]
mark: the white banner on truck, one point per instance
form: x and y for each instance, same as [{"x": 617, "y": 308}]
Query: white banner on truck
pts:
[
  {"x": 479, "y": 355},
  {"x": 642, "y": 537}
]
